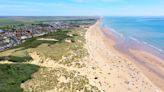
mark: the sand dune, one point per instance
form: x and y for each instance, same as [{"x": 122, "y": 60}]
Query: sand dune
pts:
[{"x": 105, "y": 67}]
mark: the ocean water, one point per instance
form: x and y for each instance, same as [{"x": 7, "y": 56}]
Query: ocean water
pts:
[{"x": 144, "y": 30}]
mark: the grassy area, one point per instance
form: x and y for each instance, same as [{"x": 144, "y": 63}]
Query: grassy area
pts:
[
  {"x": 33, "y": 42},
  {"x": 16, "y": 58},
  {"x": 72, "y": 51},
  {"x": 6, "y": 21},
  {"x": 15, "y": 55},
  {"x": 39, "y": 19},
  {"x": 19, "y": 53},
  {"x": 63, "y": 48},
  {"x": 12, "y": 75},
  {"x": 60, "y": 79},
  {"x": 76, "y": 50},
  {"x": 65, "y": 53},
  {"x": 59, "y": 35}
]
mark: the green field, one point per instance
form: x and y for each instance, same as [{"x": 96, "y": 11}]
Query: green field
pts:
[{"x": 4, "y": 21}]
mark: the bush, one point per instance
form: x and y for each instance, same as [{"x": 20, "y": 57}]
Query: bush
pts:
[{"x": 16, "y": 58}]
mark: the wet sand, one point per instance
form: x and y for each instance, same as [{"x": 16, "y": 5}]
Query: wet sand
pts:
[
  {"x": 123, "y": 75},
  {"x": 150, "y": 61},
  {"x": 152, "y": 66}
]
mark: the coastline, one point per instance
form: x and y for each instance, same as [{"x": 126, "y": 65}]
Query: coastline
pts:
[
  {"x": 147, "y": 59},
  {"x": 124, "y": 74},
  {"x": 91, "y": 63}
]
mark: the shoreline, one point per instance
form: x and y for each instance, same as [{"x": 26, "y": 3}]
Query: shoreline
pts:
[
  {"x": 102, "y": 50},
  {"x": 151, "y": 65},
  {"x": 149, "y": 61}
]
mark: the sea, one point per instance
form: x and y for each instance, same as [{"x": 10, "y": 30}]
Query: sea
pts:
[{"x": 144, "y": 31}]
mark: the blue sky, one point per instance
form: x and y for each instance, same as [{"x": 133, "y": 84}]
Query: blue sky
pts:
[{"x": 81, "y": 7}]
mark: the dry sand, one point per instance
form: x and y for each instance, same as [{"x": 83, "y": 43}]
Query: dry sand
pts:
[{"x": 113, "y": 71}]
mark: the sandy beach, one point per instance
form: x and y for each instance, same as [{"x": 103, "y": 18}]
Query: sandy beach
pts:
[
  {"x": 102, "y": 68},
  {"x": 148, "y": 60},
  {"x": 117, "y": 72}
]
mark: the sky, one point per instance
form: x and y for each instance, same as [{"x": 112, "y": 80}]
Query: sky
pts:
[{"x": 81, "y": 7}]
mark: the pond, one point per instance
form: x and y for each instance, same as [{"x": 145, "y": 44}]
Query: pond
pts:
[{"x": 1, "y": 30}]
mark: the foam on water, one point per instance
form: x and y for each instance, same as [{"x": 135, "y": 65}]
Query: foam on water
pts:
[
  {"x": 119, "y": 34},
  {"x": 134, "y": 39}
]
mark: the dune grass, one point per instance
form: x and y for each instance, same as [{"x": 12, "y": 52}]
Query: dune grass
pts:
[
  {"x": 59, "y": 78},
  {"x": 49, "y": 78},
  {"x": 15, "y": 58},
  {"x": 12, "y": 75}
]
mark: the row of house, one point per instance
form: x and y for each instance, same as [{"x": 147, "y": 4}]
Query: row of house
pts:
[{"x": 19, "y": 34}]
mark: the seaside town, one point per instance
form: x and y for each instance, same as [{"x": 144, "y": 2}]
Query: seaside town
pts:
[{"x": 11, "y": 36}]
